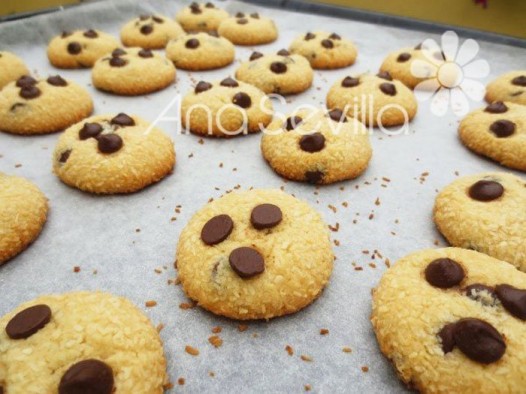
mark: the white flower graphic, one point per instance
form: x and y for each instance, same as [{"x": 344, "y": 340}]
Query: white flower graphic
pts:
[{"x": 450, "y": 74}]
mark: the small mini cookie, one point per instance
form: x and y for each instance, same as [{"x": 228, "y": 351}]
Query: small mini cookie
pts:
[
  {"x": 226, "y": 108},
  {"x": 201, "y": 17},
  {"x": 498, "y": 132},
  {"x": 23, "y": 212},
  {"x": 80, "y": 342},
  {"x": 12, "y": 68},
  {"x": 80, "y": 49},
  {"x": 109, "y": 154},
  {"x": 508, "y": 87},
  {"x": 256, "y": 254},
  {"x": 453, "y": 321},
  {"x": 200, "y": 51},
  {"x": 317, "y": 147},
  {"x": 282, "y": 73},
  {"x": 392, "y": 102},
  {"x": 324, "y": 50},
  {"x": 485, "y": 212},
  {"x": 249, "y": 29},
  {"x": 132, "y": 71},
  {"x": 150, "y": 32},
  {"x": 30, "y": 106}
]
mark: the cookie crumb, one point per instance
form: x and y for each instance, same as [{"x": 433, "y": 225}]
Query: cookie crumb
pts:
[
  {"x": 151, "y": 304},
  {"x": 242, "y": 327},
  {"x": 186, "y": 305},
  {"x": 306, "y": 358},
  {"x": 76, "y": 269},
  {"x": 365, "y": 368},
  {"x": 191, "y": 350},
  {"x": 212, "y": 374},
  {"x": 289, "y": 350},
  {"x": 160, "y": 327},
  {"x": 216, "y": 330},
  {"x": 346, "y": 349},
  {"x": 308, "y": 387},
  {"x": 216, "y": 341},
  {"x": 324, "y": 331},
  {"x": 181, "y": 381}
]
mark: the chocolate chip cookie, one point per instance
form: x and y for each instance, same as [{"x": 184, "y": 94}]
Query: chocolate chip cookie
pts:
[
  {"x": 508, "y": 87},
  {"x": 150, "y": 31},
  {"x": 248, "y": 29},
  {"x": 201, "y": 17},
  {"x": 12, "y": 68}
]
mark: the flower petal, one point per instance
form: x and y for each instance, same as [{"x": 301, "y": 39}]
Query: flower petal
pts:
[
  {"x": 426, "y": 89},
  {"x": 467, "y": 52},
  {"x": 459, "y": 102},
  {"x": 440, "y": 102},
  {"x": 422, "y": 69},
  {"x": 450, "y": 44},
  {"x": 476, "y": 69},
  {"x": 473, "y": 89}
]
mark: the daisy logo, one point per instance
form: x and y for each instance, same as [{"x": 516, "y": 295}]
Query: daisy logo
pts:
[{"x": 449, "y": 74}]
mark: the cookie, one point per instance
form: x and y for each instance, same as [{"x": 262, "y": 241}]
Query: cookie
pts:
[
  {"x": 150, "y": 32},
  {"x": 80, "y": 49},
  {"x": 498, "y": 132},
  {"x": 80, "y": 342},
  {"x": 508, "y": 87},
  {"x": 376, "y": 100},
  {"x": 201, "y": 51},
  {"x": 201, "y": 17},
  {"x": 23, "y": 213},
  {"x": 318, "y": 147},
  {"x": 248, "y": 29},
  {"x": 108, "y": 154},
  {"x": 324, "y": 50},
  {"x": 248, "y": 256},
  {"x": 31, "y": 106},
  {"x": 485, "y": 212},
  {"x": 453, "y": 321},
  {"x": 132, "y": 71},
  {"x": 282, "y": 73},
  {"x": 225, "y": 108},
  {"x": 12, "y": 68}
]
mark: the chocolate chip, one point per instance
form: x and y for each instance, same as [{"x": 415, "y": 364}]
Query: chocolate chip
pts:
[
  {"x": 385, "y": 75},
  {"x": 474, "y": 291},
  {"x": 335, "y": 36},
  {"x": 240, "y": 15},
  {"x": 314, "y": 176},
  {"x": 513, "y": 300},
  {"x": 388, "y": 88},
  {"x": 242, "y": 100},
  {"x": 350, "y": 82},
  {"x": 29, "y": 92},
  {"x": 118, "y": 52},
  {"x": 309, "y": 36},
  {"x": 418, "y": 47},
  {"x": 447, "y": 338},
  {"x": 118, "y": 62},
  {"x": 194, "y": 8},
  {"x": 515, "y": 94},
  {"x": 502, "y": 128},
  {"x": 278, "y": 67},
  {"x": 91, "y": 33},
  {"x": 66, "y": 34},
  {"x": 479, "y": 340},
  {"x": 265, "y": 216},
  {"x": 283, "y": 52},
  {"x": 74, "y": 48},
  {"x": 122, "y": 120},
  {"x": 109, "y": 143},
  {"x": 57, "y": 80},
  {"x": 87, "y": 376},
  {"x": 255, "y": 15},
  {"x": 444, "y": 273},
  {"x": 519, "y": 81},
  {"x": 146, "y": 29},
  {"x": 202, "y": 86},
  {"x": 312, "y": 142},
  {"x": 498, "y": 107},
  {"x": 25, "y": 81},
  {"x": 90, "y": 130},
  {"x": 192, "y": 43},
  {"x": 337, "y": 115},
  {"x": 157, "y": 19},
  {"x": 246, "y": 262},
  {"x": 144, "y": 17},
  {"x": 29, "y": 321},
  {"x": 209, "y": 5},
  {"x": 64, "y": 156},
  {"x": 229, "y": 83},
  {"x": 327, "y": 44},
  {"x": 255, "y": 55},
  {"x": 242, "y": 21},
  {"x": 217, "y": 229},
  {"x": 145, "y": 53},
  {"x": 403, "y": 57},
  {"x": 292, "y": 123},
  {"x": 486, "y": 190}
]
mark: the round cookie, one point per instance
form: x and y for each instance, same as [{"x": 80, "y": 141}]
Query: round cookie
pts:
[
  {"x": 317, "y": 147},
  {"x": 12, "y": 68},
  {"x": 109, "y": 154},
  {"x": 23, "y": 213},
  {"x": 80, "y": 49},
  {"x": 80, "y": 342},
  {"x": 201, "y": 51},
  {"x": 392, "y": 103},
  {"x": 324, "y": 50},
  {"x": 485, "y": 212},
  {"x": 453, "y": 321},
  {"x": 201, "y": 17},
  {"x": 282, "y": 73},
  {"x": 498, "y": 132},
  {"x": 132, "y": 71},
  {"x": 30, "y": 106},
  {"x": 250, "y": 29},
  {"x": 248, "y": 256},
  {"x": 226, "y": 108},
  {"x": 508, "y": 87},
  {"x": 150, "y": 32}
]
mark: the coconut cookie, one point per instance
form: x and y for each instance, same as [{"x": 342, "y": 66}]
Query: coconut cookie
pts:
[
  {"x": 31, "y": 106},
  {"x": 498, "y": 132},
  {"x": 485, "y": 212},
  {"x": 257, "y": 254},
  {"x": 324, "y": 50},
  {"x": 109, "y": 154},
  {"x": 225, "y": 108},
  {"x": 80, "y": 49},
  {"x": 23, "y": 212},
  {"x": 281, "y": 73},
  {"x": 317, "y": 147},
  {"x": 453, "y": 321},
  {"x": 376, "y": 100},
  {"x": 508, "y": 87},
  {"x": 248, "y": 29},
  {"x": 200, "y": 51},
  {"x": 150, "y": 32},
  {"x": 201, "y": 17},
  {"x": 12, "y": 68},
  {"x": 80, "y": 342},
  {"x": 129, "y": 72}
]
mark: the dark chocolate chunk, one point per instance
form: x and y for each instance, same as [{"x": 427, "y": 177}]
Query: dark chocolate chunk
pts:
[
  {"x": 335, "y": 36},
  {"x": 29, "y": 92},
  {"x": 146, "y": 29},
  {"x": 90, "y": 130},
  {"x": 229, "y": 83},
  {"x": 447, "y": 338},
  {"x": 327, "y": 44},
  {"x": 192, "y": 43},
  {"x": 64, "y": 156},
  {"x": 242, "y": 21},
  {"x": 513, "y": 300},
  {"x": 314, "y": 176},
  {"x": 242, "y": 100},
  {"x": 109, "y": 143},
  {"x": 337, "y": 115},
  {"x": 217, "y": 229},
  {"x": 145, "y": 53},
  {"x": 265, "y": 216},
  {"x": 118, "y": 62},
  {"x": 118, "y": 52},
  {"x": 122, "y": 120},
  {"x": 498, "y": 107},
  {"x": 479, "y": 340},
  {"x": 57, "y": 80},
  {"x": 388, "y": 88},
  {"x": 444, "y": 273},
  {"x": 202, "y": 86},
  {"x": 292, "y": 123},
  {"x": 519, "y": 81},
  {"x": 309, "y": 36},
  {"x": 87, "y": 377},
  {"x": 350, "y": 82},
  {"x": 246, "y": 262},
  {"x": 385, "y": 75},
  {"x": 283, "y": 52},
  {"x": 502, "y": 128},
  {"x": 403, "y": 57},
  {"x": 74, "y": 48},
  {"x": 25, "y": 81},
  {"x": 255, "y": 55},
  {"x": 278, "y": 67},
  {"x": 28, "y": 322},
  {"x": 312, "y": 142},
  {"x": 486, "y": 190},
  {"x": 91, "y": 33}
]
